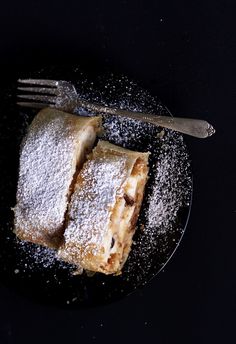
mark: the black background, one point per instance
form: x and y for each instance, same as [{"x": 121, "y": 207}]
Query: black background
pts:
[{"x": 184, "y": 52}]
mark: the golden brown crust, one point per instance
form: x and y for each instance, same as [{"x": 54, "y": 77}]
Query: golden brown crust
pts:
[{"x": 93, "y": 222}]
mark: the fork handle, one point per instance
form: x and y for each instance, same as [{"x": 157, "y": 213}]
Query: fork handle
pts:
[{"x": 193, "y": 127}]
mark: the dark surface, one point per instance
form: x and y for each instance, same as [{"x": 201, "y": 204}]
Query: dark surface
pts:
[{"x": 184, "y": 52}]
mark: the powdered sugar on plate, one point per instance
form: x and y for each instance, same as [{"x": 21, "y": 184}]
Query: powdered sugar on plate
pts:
[
  {"x": 168, "y": 192},
  {"x": 37, "y": 256}
]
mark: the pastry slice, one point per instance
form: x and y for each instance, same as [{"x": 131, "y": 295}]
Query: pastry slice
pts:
[
  {"x": 104, "y": 209},
  {"x": 53, "y": 150}
]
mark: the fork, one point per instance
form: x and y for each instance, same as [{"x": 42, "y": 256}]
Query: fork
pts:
[{"x": 63, "y": 96}]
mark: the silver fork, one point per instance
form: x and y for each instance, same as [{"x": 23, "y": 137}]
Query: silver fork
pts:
[{"x": 63, "y": 96}]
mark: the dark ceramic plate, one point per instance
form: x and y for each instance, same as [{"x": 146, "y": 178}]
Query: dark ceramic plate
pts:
[{"x": 33, "y": 270}]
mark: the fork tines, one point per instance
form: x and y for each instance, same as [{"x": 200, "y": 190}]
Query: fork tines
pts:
[
  {"x": 42, "y": 82},
  {"x": 44, "y": 96}
]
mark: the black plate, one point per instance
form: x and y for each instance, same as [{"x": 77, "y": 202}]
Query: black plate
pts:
[{"x": 33, "y": 270}]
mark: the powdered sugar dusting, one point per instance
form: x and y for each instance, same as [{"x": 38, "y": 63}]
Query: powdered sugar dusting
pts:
[
  {"x": 101, "y": 179},
  {"x": 168, "y": 190},
  {"x": 47, "y": 165},
  {"x": 33, "y": 258},
  {"x": 43, "y": 257},
  {"x": 168, "y": 195}
]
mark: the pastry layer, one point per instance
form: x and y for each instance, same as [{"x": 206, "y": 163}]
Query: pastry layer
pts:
[
  {"x": 53, "y": 149},
  {"x": 104, "y": 208}
]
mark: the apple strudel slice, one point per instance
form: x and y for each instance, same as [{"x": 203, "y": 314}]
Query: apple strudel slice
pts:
[
  {"x": 104, "y": 209},
  {"x": 53, "y": 149}
]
